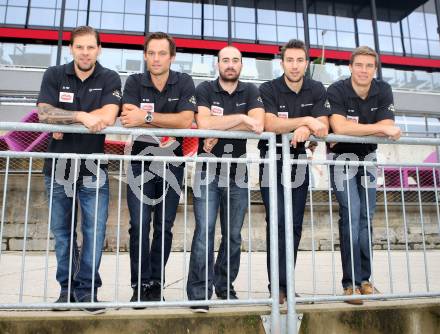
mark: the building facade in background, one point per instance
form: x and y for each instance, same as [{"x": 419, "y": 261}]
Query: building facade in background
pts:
[
  {"x": 403, "y": 32},
  {"x": 29, "y": 28}
]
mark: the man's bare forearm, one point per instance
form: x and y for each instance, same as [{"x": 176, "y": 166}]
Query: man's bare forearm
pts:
[{"x": 52, "y": 115}]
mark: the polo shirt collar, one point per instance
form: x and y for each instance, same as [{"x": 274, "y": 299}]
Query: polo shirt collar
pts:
[
  {"x": 147, "y": 82},
  {"x": 281, "y": 83},
  {"x": 218, "y": 88},
  {"x": 374, "y": 89},
  {"x": 70, "y": 69}
]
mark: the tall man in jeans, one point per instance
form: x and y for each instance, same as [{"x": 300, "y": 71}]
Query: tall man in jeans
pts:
[
  {"x": 223, "y": 104},
  {"x": 360, "y": 106},
  {"x": 83, "y": 92},
  {"x": 293, "y": 103},
  {"x": 158, "y": 98}
]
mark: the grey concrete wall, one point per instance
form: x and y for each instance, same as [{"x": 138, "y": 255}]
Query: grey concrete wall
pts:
[
  {"x": 396, "y": 317},
  {"x": 37, "y": 222}
]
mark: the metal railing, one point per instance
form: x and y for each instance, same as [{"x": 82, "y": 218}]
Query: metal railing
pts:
[
  {"x": 316, "y": 272},
  {"x": 101, "y": 158},
  {"x": 430, "y": 289}
]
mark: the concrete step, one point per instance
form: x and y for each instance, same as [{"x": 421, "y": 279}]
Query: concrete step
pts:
[
  {"x": 408, "y": 316},
  {"x": 244, "y": 320}
]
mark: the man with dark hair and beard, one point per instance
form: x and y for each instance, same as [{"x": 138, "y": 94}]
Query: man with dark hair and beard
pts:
[
  {"x": 295, "y": 104},
  {"x": 223, "y": 104},
  {"x": 83, "y": 92}
]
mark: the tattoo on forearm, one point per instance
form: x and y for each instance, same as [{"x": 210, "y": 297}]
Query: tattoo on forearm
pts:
[{"x": 53, "y": 115}]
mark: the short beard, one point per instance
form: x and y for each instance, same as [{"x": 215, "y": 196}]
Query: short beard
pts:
[
  {"x": 85, "y": 69},
  {"x": 293, "y": 81},
  {"x": 228, "y": 79}
]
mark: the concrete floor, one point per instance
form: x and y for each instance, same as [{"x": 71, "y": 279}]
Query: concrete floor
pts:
[{"x": 116, "y": 287}]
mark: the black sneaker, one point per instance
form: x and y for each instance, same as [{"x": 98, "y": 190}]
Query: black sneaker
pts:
[
  {"x": 224, "y": 294},
  {"x": 200, "y": 309},
  {"x": 153, "y": 292},
  {"x": 63, "y": 298},
  {"x": 87, "y": 299},
  {"x": 142, "y": 296}
]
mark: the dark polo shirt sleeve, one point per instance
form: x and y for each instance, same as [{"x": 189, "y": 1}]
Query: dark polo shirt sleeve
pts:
[
  {"x": 131, "y": 90},
  {"x": 254, "y": 98},
  {"x": 335, "y": 95},
  {"x": 187, "y": 100},
  {"x": 320, "y": 97},
  {"x": 202, "y": 95},
  {"x": 268, "y": 98},
  {"x": 386, "y": 100},
  {"x": 111, "y": 93},
  {"x": 49, "y": 91}
]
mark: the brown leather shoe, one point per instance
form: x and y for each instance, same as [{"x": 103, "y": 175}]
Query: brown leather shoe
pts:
[
  {"x": 368, "y": 289},
  {"x": 349, "y": 292}
]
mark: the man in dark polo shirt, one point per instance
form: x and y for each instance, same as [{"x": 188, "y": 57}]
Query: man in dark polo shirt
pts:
[
  {"x": 223, "y": 104},
  {"x": 158, "y": 98},
  {"x": 360, "y": 106},
  {"x": 79, "y": 92},
  {"x": 295, "y": 104}
]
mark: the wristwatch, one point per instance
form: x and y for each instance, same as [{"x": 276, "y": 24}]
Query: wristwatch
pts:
[{"x": 148, "y": 117}]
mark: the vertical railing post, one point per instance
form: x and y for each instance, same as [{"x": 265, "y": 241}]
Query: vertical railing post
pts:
[
  {"x": 273, "y": 227},
  {"x": 288, "y": 223}
]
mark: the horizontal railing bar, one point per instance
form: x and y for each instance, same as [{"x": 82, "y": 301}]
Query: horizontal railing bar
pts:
[
  {"x": 332, "y": 138},
  {"x": 363, "y": 163},
  {"x": 100, "y": 156},
  {"x": 236, "y": 302},
  {"x": 39, "y": 127},
  {"x": 387, "y": 296}
]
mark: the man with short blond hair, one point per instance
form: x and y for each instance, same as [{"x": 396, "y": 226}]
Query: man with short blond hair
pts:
[{"x": 360, "y": 106}]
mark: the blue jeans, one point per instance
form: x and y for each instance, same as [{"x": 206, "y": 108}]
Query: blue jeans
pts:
[
  {"x": 353, "y": 213},
  {"x": 215, "y": 196},
  {"x": 152, "y": 203},
  {"x": 300, "y": 187},
  {"x": 61, "y": 225}
]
